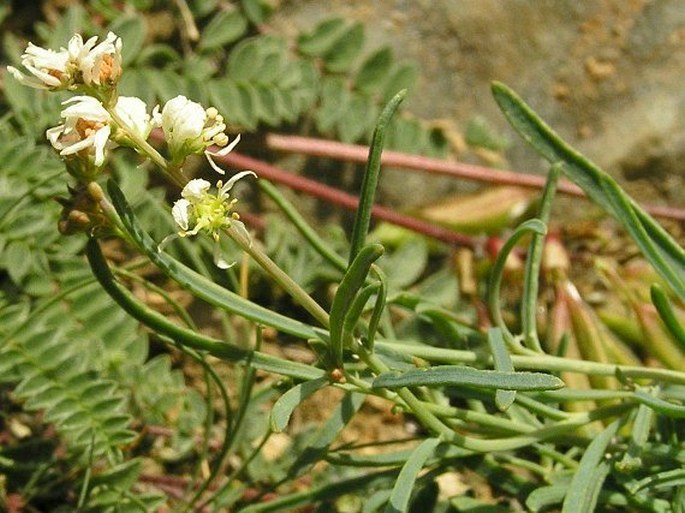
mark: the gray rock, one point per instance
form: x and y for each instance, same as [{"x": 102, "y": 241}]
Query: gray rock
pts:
[{"x": 607, "y": 75}]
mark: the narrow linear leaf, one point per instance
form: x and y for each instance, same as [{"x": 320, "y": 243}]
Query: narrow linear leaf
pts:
[
  {"x": 286, "y": 404},
  {"x": 401, "y": 492},
  {"x": 666, "y": 479},
  {"x": 663, "y": 306},
  {"x": 328, "y": 492},
  {"x": 371, "y": 175},
  {"x": 190, "y": 338},
  {"x": 642, "y": 425},
  {"x": 497, "y": 272},
  {"x": 667, "y": 257},
  {"x": 502, "y": 362},
  {"x": 545, "y": 496},
  {"x": 347, "y": 292},
  {"x": 580, "y": 497},
  {"x": 356, "y": 309},
  {"x": 659, "y": 405},
  {"x": 377, "y": 312},
  {"x": 460, "y": 375}
]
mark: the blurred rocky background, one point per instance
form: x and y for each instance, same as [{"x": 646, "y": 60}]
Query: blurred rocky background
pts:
[{"x": 607, "y": 75}]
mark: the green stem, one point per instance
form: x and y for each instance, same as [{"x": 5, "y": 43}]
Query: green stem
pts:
[
  {"x": 536, "y": 362},
  {"x": 532, "y": 271},
  {"x": 285, "y": 281},
  {"x": 302, "y": 226},
  {"x": 189, "y": 338},
  {"x": 172, "y": 172}
]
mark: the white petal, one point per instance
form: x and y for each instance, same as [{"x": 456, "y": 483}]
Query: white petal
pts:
[
  {"x": 240, "y": 228},
  {"x": 195, "y": 189},
  {"x": 226, "y": 149},
  {"x": 99, "y": 142},
  {"x": 77, "y": 146},
  {"x": 166, "y": 240},
  {"x": 53, "y": 134},
  {"x": 180, "y": 213},
  {"x": 25, "y": 80},
  {"x": 218, "y": 258},
  {"x": 213, "y": 164},
  {"x": 133, "y": 111},
  {"x": 231, "y": 182}
]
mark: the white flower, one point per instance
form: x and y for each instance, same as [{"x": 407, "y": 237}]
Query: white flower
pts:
[
  {"x": 86, "y": 127},
  {"x": 78, "y": 64},
  {"x": 195, "y": 189},
  {"x": 133, "y": 111},
  {"x": 191, "y": 129},
  {"x": 199, "y": 210},
  {"x": 49, "y": 69},
  {"x": 99, "y": 65}
]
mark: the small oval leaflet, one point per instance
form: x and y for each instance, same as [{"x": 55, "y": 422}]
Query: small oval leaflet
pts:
[{"x": 461, "y": 375}]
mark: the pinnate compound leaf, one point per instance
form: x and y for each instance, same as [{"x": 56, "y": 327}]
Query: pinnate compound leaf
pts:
[
  {"x": 225, "y": 27},
  {"x": 323, "y": 38},
  {"x": 256, "y": 11},
  {"x": 404, "y": 77},
  {"x": 375, "y": 71},
  {"x": 461, "y": 375},
  {"x": 341, "y": 57}
]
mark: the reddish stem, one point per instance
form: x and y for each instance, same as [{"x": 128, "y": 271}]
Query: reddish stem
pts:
[
  {"x": 356, "y": 153},
  {"x": 343, "y": 199}
]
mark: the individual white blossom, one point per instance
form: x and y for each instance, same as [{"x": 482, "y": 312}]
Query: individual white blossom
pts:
[
  {"x": 86, "y": 127},
  {"x": 48, "y": 69},
  {"x": 133, "y": 112},
  {"x": 89, "y": 128},
  {"x": 199, "y": 210},
  {"x": 98, "y": 64},
  {"x": 191, "y": 129},
  {"x": 88, "y": 64}
]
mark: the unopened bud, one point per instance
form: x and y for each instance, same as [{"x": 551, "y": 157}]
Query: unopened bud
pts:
[
  {"x": 95, "y": 192},
  {"x": 78, "y": 218}
]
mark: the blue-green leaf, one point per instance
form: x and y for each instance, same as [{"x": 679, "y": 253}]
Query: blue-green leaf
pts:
[
  {"x": 587, "y": 481},
  {"x": 286, "y": 404},
  {"x": 460, "y": 375},
  {"x": 401, "y": 492},
  {"x": 666, "y": 255}
]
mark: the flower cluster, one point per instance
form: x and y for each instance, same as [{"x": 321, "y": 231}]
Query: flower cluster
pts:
[
  {"x": 191, "y": 129},
  {"x": 199, "y": 210},
  {"x": 88, "y": 128},
  {"x": 97, "y": 120},
  {"x": 80, "y": 65}
]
